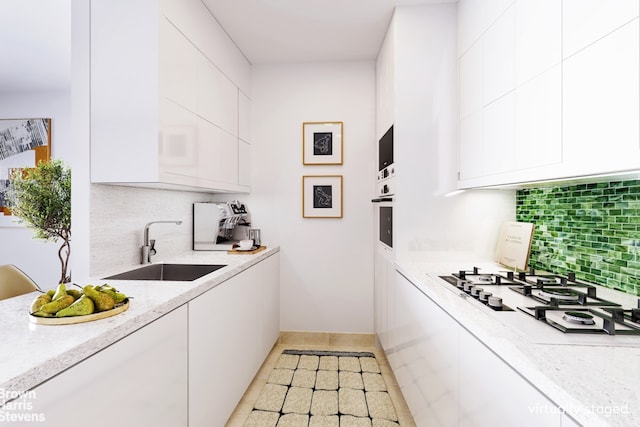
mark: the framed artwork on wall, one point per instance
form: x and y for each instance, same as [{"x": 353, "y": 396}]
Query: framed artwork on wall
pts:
[
  {"x": 23, "y": 143},
  {"x": 322, "y": 196},
  {"x": 322, "y": 143}
]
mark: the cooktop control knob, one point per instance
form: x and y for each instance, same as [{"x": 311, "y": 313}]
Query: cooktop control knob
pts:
[
  {"x": 468, "y": 286},
  {"x": 495, "y": 301},
  {"x": 484, "y": 295},
  {"x": 476, "y": 291}
]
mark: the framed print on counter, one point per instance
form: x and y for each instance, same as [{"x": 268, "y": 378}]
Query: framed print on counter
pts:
[
  {"x": 322, "y": 143},
  {"x": 322, "y": 196}
]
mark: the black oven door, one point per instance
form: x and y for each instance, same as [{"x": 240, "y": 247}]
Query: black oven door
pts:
[{"x": 385, "y": 220}]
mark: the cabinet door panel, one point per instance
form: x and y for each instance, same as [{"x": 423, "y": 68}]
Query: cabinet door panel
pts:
[
  {"x": 499, "y": 57},
  {"x": 178, "y": 140},
  {"x": 471, "y": 148},
  {"x": 217, "y": 97},
  {"x": 428, "y": 355},
  {"x": 538, "y": 37},
  {"x": 601, "y": 104},
  {"x": 145, "y": 374},
  {"x": 221, "y": 351},
  {"x": 218, "y": 155},
  {"x": 268, "y": 279},
  {"x": 178, "y": 65},
  {"x": 244, "y": 117},
  {"x": 539, "y": 121},
  {"x": 471, "y": 81},
  {"x": 244, "y": 163},
  {"x": 585, "y": 21},
  {"x": 491, "y": 393},
  {"x": 498, "y": 135}
]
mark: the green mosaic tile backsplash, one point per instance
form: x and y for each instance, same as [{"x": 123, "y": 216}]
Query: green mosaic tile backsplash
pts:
[{"x": 591, "y": 229}]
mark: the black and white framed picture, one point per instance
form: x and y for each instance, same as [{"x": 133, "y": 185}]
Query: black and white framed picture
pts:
[
  {"x": 23, "y": 143},
  {"x": 322, "y": 143},
  {"x": 322, "y": 196}
]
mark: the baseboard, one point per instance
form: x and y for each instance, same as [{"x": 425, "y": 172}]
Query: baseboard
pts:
[{"x": 327, "y": 338}]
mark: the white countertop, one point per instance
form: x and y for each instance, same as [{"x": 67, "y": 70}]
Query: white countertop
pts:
[
  {"x": 585, "y": 380},
  {"x": 31, "y": 354}
]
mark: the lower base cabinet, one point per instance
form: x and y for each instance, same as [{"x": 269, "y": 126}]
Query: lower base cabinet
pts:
[
  {"x": 232, "y": 328},
  {"x": 449, "y": 378},
  {"x": 188, "y": 368},
  {"x": 138, "y": 381}
]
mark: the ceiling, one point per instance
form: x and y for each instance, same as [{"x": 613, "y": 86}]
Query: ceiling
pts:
[
  {"x": 36, "y": 34},
  {"x": 280, "y": 31}
]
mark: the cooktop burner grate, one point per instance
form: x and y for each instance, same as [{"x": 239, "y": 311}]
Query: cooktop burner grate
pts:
[{"x": 583, "y": 320}]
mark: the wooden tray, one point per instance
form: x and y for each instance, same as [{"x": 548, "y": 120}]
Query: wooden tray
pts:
[
  {"x": 79, "y": 319},
  {"x": 253, "y": 251}
]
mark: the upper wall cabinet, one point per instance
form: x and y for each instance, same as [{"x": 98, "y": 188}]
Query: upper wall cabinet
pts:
[
  {"x": 548, "y": 90},
  {"x": 167, "y": 85}
]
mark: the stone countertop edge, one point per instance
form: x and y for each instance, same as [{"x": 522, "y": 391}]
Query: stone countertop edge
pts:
[
  {"x": 580, "y": 379},
  {"x": 31, "y": 354}
]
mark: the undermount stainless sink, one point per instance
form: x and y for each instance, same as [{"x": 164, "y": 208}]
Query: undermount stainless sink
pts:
[{"x": 168, "y": 272}]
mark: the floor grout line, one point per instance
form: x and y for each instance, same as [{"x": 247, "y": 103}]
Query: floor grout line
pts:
[{"x": 248, "y": 401}]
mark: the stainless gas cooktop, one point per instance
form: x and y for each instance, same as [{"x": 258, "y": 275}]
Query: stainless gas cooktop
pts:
[{"x": 562, "y": 303}]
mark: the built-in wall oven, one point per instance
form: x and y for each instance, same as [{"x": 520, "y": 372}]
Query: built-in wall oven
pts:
[{"x": 383, "y": 201}]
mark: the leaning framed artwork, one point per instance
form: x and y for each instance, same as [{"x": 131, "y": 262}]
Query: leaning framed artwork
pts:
[
  {"x": 322, "y": 143},
  {"x": 23, "y": 143},
  {"x": 322, "y": 196}
]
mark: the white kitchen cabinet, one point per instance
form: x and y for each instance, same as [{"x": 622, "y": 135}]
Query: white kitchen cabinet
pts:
[
  {"x": 178, "y": 68},
  {"x": 217, "y": 97},
  {"x": 232, "y": 328},
  {"x": 538, "y": 38},
  {"x": 384, "y": 296},
  {"x": 586, "y": 21},
  {"x": 538, "y": 121},
  {"x": 498, "y": 135},
  {"x": 471, "y": 78},
  {"x": 573, "y": 67},
  {"x": 492, "y": 393},
  {"x": 244, "y": 117},
  {"x": 449, "y": 378},
  {"x": 218, "y": 154},
  {"x": 153, "y": 81},
  {"x": 143, "y": 377},
  {"x": 499, "y": 57},
  {"x": 601, "y": 104},
  {"x": 427, "y": 357}
]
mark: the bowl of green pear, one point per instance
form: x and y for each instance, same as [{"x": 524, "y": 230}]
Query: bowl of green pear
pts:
[{"x": 62, "y": 306}]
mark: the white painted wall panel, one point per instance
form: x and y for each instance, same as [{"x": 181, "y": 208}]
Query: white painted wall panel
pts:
[{"x": 326, "y": 264}]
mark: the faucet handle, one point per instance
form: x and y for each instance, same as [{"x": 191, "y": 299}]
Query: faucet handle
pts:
[{"x": 152, "y": 249}]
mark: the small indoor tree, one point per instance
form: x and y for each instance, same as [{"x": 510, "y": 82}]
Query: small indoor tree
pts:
[{"x": 41, "y": 198}]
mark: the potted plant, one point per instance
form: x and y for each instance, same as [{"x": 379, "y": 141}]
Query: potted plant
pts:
[{"x": 41, "y": 198}]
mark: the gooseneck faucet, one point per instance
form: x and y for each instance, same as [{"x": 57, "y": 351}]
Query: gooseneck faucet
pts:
[{"x": 148, "y": 246}]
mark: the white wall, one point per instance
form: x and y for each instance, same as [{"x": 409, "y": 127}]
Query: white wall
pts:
[
  {"x": 326, "y": 264},
  {"x": 37, "y": 258}
]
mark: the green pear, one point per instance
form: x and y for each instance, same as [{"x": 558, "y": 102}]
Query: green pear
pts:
[
  {"x": 101, "y": 300},
  {"x": 40, "y": 300},
  {"x": 41, "y": 313},
  {"x": 74, "y": 293},
  {"x": 83, "y": 306},
  {"x": 61, "y": 291},
  {"x": 118, "y": 297},
  {"x": 54, "y": 306},
  {"x": 51, "y": 293}
]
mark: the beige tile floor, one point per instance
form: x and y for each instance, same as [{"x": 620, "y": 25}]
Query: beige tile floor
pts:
[{"x": 321, "y": 341}]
